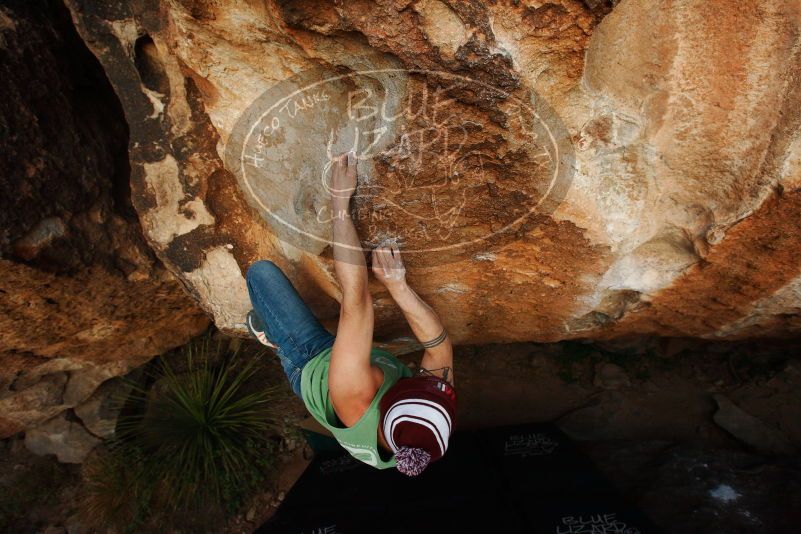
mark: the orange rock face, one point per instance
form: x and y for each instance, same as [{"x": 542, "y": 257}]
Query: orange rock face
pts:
[
  {"x": 82, "y": 296},
  {"x": 554, "y": 170}
]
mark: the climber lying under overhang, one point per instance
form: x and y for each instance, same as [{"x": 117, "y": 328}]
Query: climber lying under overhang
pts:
[{"x": 367, "y": 398}]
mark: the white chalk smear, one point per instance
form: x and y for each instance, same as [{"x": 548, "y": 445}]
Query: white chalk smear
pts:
[
  {"x": 724, "y": 493},
  {"x": 453, "y": 288}
]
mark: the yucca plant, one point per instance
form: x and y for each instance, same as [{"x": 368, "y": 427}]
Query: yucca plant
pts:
[{"x": 197, "y": 438}]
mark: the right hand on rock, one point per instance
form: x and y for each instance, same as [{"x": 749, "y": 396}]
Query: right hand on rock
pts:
[{"x": 388, "y": 266}]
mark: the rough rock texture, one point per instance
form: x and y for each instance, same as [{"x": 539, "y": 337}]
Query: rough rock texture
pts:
[
  {"x": 82, "y": 297},
  {"x": 750, "y": 429},
  {"x": 670, "y": 131},
  {"x": 99, "y": 413},
  {"x": 679, "y": 133},
  {"x": 67, "y": 439}
]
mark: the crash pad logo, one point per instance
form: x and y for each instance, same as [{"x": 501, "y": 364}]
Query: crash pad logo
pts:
[{"x": 448, "y": 166}]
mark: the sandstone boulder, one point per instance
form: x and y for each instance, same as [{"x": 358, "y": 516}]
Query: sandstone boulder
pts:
[
  {"x": 751, "y": 430},
  {"x": 66, "y": 439},
  {"x": 82, "y": 296},
  {"x": 99, "y": 413},
  {"x": 555, "y": 170}
]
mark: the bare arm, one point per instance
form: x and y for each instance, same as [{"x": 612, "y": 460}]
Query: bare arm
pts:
[
  {"x": 350, "y": 380},
  {"x": 424, "y": 321}
]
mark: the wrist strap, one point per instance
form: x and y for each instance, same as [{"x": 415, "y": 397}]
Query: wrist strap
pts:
[{"x": 436, "y": 341}]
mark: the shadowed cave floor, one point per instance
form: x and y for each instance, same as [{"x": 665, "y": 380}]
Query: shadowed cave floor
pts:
[{"x": 644, "y": 412}]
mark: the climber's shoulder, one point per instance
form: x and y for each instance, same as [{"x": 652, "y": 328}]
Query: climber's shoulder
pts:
[{"x": 350, "y": 405}]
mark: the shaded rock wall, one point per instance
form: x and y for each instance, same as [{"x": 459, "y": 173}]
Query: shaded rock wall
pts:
[
  {"x": 82, "y": 296},
  {"x": 604, "y": 169}
]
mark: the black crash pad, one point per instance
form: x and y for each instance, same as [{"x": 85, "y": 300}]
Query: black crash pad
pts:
[{"x": 525, "y": 478}]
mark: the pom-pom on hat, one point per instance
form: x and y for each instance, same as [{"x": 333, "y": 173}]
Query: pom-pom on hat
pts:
[
  {"x": 412, "y": 461},
  {"x": 417, "y": 417}
]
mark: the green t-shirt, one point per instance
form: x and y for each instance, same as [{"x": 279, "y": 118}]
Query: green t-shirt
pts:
[{"x": 360, "y": 440}]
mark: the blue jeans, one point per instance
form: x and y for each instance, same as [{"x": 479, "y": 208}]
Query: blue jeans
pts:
[{"x": 289, "y": 322}]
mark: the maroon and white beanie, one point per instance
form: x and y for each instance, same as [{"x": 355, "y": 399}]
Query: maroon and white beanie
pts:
[{"x": 417, "y": 417}]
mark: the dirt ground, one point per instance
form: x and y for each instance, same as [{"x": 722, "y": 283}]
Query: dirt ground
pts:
[{"x": 645, "y": 411}]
